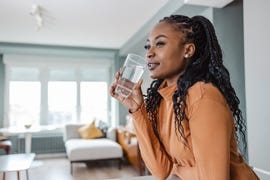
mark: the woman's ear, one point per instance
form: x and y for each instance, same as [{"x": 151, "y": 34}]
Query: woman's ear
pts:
[{"x": 189, "y": 50}]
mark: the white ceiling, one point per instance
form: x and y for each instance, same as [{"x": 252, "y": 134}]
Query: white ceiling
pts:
[{"x": 84, "y": 23}]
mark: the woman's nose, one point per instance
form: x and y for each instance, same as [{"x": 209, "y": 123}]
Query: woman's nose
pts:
[{"x": 150, "y": 53}]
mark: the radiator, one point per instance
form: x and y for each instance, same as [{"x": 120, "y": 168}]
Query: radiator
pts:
[{"x": 43, "y": 144}]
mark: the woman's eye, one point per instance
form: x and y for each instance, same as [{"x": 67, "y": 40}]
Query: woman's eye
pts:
[
  {"x": 147, "y": 47},
  {"x": 159, "y": 44}
]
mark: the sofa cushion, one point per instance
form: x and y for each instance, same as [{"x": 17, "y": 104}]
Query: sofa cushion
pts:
[
  {"x": 92, "y": 149},
  {"x": 70, "y": 131},
  {"x": 90, "y": 131}
]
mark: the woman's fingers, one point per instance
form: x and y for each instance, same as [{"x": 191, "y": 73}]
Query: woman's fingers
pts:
[
  {"x": 139, "y": 84},
  {"x": 114, "y": 84},
  {"x": 112, "y": 89},
  {"x": 117, "y": 76},
  {"x": 131, "y": 102}
]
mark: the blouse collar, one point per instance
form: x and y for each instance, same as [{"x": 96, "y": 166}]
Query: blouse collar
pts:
[{"x": 167, "y": 91}]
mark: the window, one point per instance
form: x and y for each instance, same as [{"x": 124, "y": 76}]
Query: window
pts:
[
  {"x": 94, "y": 101},
  {"x": 22, "y": 109},
  {"x": 62, "y": 98},
  {"x": 56, "y": 92}
]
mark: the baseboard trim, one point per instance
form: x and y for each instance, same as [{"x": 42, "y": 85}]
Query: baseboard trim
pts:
[
  {"x": 52, "y": 155},
  {"x": 262, "y": 171}
]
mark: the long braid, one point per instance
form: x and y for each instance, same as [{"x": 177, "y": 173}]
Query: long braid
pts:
[
  {"x": 206, "y": 65},
  {"x": 220, "y": 77},
  {"x": 152, "y": 101}
]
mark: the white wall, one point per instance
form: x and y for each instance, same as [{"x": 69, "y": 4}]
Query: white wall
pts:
[{"x": 257, "y": 64}]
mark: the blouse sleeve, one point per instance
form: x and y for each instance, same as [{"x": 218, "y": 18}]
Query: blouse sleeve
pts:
[
  {"x": 210, "y": 128},
  {"x": 153, "y": 155}
]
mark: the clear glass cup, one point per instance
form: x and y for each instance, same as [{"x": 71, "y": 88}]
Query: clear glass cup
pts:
[{"x": 132, "y": 71}]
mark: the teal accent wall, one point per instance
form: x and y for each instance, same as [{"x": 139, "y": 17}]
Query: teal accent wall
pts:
[
  {"x": 2, "y": 84},
  {"x": 228, "y": 23},
  {"x": 70, "y": 51}
]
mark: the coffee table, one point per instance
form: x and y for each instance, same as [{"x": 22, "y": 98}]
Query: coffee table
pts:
[{"x": 16, "y": 162}]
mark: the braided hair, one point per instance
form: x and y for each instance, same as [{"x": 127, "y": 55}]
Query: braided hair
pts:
[{"x": 206, "y": 65}]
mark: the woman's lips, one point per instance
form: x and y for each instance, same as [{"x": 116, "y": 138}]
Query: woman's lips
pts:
[{"x": 152, "y": 66}]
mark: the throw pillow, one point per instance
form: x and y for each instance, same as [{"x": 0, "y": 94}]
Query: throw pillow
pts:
[
  {"x": 3, "y": 138},
  {"x": 90, "y": 131},
  {"x": 103, "y": 126}
]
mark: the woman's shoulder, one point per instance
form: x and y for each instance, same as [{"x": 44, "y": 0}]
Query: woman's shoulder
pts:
[{"x": 202, "y": 91}]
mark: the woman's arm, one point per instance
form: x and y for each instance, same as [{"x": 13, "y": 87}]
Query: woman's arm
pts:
[{"x": 152, "y": 153}]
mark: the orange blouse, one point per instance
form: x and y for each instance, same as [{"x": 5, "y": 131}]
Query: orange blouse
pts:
[{"x": 211, "y": 149}]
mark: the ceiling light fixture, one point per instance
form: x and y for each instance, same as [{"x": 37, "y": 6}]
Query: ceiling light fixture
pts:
[{"x": 36, "y": 13}]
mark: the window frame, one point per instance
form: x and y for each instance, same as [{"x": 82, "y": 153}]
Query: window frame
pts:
[{"x": 44, "y": 64}]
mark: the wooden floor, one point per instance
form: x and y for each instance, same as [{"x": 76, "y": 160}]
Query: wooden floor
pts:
[{"x": 59, "y": 169}]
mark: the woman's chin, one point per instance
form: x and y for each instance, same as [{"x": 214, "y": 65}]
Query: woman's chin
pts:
[{"x": 154, "y": 76}]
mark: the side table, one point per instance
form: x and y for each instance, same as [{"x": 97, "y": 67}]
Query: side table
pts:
[{"x": 16, "y": 162}]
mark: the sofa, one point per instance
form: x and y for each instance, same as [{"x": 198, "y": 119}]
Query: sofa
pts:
[{"x": 82, "y": 150}]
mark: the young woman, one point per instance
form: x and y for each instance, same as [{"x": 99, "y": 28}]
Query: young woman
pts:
[{"x": 187, "y": 124}]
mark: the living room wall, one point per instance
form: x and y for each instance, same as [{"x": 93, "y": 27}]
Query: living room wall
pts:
[
  {"x": 257, "y": 28},
  {"x": 2, "y": 82}
]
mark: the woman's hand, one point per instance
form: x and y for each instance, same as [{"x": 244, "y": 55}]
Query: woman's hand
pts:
[{"x": 132, "y": 102}]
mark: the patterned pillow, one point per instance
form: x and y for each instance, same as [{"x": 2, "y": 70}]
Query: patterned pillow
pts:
[{"x": 103, "y": 126}]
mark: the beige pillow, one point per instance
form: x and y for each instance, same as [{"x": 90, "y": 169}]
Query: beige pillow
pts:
[{"x": 90, "y": 131}]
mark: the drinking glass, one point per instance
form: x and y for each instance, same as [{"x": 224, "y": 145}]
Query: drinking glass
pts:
[{"x": 132, "y": 71}]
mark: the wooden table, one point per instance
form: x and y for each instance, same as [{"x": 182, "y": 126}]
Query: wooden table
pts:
[
  {"x": 171, "y": 177},
  {"x": 16, "y": 162},
  {"x": 128, "y": 141},
  {"x": 136, "y": 178}
]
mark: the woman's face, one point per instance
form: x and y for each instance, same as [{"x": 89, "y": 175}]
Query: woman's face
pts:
[{"x": 165, "y": 52}]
